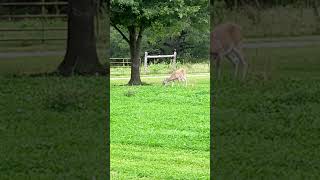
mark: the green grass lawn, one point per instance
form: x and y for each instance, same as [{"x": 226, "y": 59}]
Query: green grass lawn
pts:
[
  {"x": 269, "y": 129},
  {"x": 31, "y": 65},
  {"x": 160, "y": 132},
  {"x": 52, "y": 127}
]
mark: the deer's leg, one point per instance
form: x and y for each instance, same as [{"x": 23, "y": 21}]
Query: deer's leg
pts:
[
  {"x": 184, "y": 79},
  {"x": 178, "y": 81},
  {"x": 244, "y": 69},
  {"x": 243, "y": 62},
  {"x": 234, "y": 60},
  {"x": 217, "y": 67}
]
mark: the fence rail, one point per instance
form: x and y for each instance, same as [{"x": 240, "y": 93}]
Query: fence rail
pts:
[
  {"x": 32, "y": 30},
  {"x": 121, "y": 62},
  {"x": 33, "y": 39},
  {"x": 42, "y": 16},
  {"x": 279, "y": 44},
  {"x": 29, "y": 29},
  {"x": 32, "y": 3},
  {"x": 147, "y": 56},
  {"x": 33, "y": 16}
]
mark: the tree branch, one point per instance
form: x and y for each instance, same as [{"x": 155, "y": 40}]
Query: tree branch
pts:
[{"x": 122, "y": 34}]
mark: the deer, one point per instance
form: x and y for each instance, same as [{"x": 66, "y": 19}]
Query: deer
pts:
[
  {"x": 226, "y": 41},
  {"x": 179, "y": 75}
]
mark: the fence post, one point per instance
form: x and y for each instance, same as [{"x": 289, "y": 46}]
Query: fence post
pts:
[
  {"x": 145, "y": 61},
  {"x": 174, "y": 59}
]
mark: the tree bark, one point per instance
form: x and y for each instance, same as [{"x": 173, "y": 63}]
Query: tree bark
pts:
[
  {"x": 135, "y": 46},
  {"x": 107, "y": 105},
  {"x": 212, "y": 92},
  {"x": 316, "y": 13},
  {"x": 81, "y": 56}
]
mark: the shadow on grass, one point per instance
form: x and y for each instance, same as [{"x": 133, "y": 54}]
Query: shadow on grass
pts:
[
  {"x": 143, "y": 84},
  {"x": 51, "y": 74}
]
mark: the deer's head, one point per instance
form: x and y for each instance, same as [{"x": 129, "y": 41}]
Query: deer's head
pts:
[{"x": 165, "y": 81}]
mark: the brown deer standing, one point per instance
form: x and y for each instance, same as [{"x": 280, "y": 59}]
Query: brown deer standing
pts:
[
  {"x": 180, "y": 75},
  {"x": 226, "y": 41}
]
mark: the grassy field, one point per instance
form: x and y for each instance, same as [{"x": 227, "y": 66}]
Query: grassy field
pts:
[
  {"x": 30, "y": 65},
  {"x": 268, "y": 127},
  {"x": 56, "y": 126},
  {"x": 52, "y": 127},
  {"x": 160, "y": 132},
  {"x": 267, "y": 130}
]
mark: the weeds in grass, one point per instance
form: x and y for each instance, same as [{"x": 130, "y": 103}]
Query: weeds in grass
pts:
[
  {"x": 65, "y": 99},
  {"x": 130, "y": 93}
]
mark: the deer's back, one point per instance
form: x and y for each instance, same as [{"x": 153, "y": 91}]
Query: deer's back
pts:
[
  {"x": 225, "y": 36},
  {"x": 178, "y": 74}
]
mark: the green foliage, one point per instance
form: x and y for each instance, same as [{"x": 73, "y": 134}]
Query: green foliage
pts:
[
  {"x": 147, "y": 13},
  {"x": 119, "y": 47},
  {"x": 162, "y": 22}
]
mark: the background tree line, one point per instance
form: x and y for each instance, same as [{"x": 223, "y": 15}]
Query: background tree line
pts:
[
  {"x": 189, "y": 38},
  {"x": 230, "y": 4},
  {"x": 193, "y": 42}
]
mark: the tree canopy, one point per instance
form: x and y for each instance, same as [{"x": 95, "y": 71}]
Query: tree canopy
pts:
[{"x": 154, "y": 13}]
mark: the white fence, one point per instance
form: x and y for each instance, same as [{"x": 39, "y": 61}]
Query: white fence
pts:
[
  {"x": 120, "y": 62},
  {"x": 147, "y": 56}
]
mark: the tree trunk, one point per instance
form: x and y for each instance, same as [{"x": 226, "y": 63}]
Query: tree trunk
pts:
[
  {"x": 315, "y": 8},
  {"x": 212, "y": 93},
  {"x": 316, "y": 14},
  {"x": 106, "y": 131},
  {"x": 135, "y": 44},
  {"x": 257, "y": 4},
  {"x": 235, "y": 6},
  {"x": 81, "y": 56}
]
